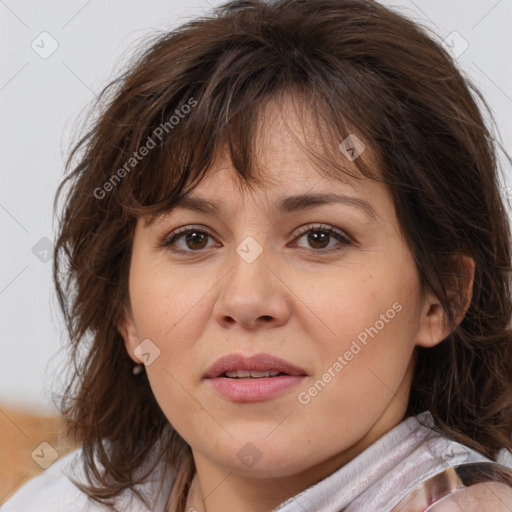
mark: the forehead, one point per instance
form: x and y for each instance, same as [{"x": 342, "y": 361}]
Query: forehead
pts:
[{"x": 290, "y": 132}]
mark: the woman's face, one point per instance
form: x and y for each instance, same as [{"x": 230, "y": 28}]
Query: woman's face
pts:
[{"x": 263, "y": 278}]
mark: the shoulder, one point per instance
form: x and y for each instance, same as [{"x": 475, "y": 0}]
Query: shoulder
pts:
[
  {"x": 484, "y": 497},
  {"x": 51, "y": 491},
  {"x": 55, "y": 489}
]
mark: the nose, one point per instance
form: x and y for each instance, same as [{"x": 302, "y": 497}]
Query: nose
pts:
[{"x": 253, "y": 293}]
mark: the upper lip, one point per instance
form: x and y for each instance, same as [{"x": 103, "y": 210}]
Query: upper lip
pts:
[{"x": 257, "y": 362}]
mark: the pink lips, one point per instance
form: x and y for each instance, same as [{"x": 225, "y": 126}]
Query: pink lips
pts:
[{"x": 253, "y": 389}]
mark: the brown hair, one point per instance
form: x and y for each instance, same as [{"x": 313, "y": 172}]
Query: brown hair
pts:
[{"x": 359, "y": 68}]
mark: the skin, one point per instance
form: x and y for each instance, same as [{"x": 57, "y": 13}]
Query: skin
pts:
[{"x": 296, "y": 301}]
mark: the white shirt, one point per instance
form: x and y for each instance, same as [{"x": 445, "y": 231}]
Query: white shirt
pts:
[{"x": 374, "y": 481}]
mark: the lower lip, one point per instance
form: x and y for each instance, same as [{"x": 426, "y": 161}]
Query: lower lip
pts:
[{"x": 254, "y": 390}]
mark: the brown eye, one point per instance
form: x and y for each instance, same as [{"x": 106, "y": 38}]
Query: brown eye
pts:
[
  {"x": 318, "y": 239},
  {"x": 196, "y": 240},
  {"x": 187, "y": 240},
  {"x": 320, "y": 236}
]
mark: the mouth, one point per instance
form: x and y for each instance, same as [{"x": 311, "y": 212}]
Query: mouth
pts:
[
  {"x": 253, "y": 379},
  {"x": 246, "y": 374},
  {"x": 236, "y": 366}
]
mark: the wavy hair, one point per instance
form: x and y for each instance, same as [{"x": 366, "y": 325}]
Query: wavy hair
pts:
[{"x": 358, "y": 67}]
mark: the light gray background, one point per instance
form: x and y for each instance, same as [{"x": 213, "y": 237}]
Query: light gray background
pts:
[{"x": 41, "y": 99}]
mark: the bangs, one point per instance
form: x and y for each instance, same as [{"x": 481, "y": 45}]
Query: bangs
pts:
[{"x": 184, "y": 132}]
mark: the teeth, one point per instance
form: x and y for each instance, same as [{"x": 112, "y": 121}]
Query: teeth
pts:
[{"x": 245, "y": 374}]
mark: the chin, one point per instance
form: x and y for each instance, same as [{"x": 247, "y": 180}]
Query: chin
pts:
[{"x": 260, "y": 457}]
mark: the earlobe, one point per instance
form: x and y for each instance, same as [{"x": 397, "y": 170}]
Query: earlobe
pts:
[
  {"x": 126, "y": 328},
  {"x": 435, "y": 326}
]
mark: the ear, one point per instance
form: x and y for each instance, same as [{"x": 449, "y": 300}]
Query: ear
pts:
[
  {"x": 127, "y": 329},
  {"x": 434, "y": 321}
]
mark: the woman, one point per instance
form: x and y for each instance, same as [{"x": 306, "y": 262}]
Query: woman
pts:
[{"x": 288, "y": 276}]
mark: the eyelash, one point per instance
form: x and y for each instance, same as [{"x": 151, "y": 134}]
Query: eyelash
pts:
[{"x": 170, "y": 239}]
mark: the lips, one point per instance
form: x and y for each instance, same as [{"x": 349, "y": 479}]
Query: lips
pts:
[
  {"x": 252, "y": 367},
  {"x": 257, "y": 378}
]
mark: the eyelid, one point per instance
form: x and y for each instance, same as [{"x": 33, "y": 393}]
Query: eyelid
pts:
[
  {"x": 167, "y": 238},
  {"x": 320, "y": 226},
  {"x": 343, "y": 238}
]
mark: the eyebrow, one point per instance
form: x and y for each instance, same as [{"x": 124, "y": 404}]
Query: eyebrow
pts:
[{"x": 286, "y": 205}]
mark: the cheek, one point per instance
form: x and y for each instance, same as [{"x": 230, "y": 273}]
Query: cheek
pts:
[
  {"x": 164, "y": 300},
  {"x": 369, "y": 318},
  {"x": 169, "y": 309},
  {"x": 176, "y": 401},
  {"x": 346, "y": 306}
]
